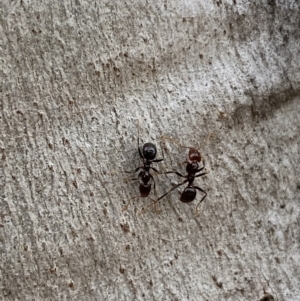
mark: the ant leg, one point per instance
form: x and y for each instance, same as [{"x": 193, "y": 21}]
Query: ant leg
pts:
[
  {"x": 157, "y": 160},
  {"x": 177, "y": 173},
  {"x": 125, "y": 208},
  {"x": 163, "y": 147},
  {"x": 145, "y": 209},
  {"x": 155, "y": 205},
  {"x": 130, "y": 179},
  {"x": 173, "y": 188},
  {"x": 163, "y": 150},
  {"x": 205, "y": 144},
  {"x": 153, "y": 183},
  {"x": 201, "y": 174},
  {"x": 155, "y": 202},
  {"x": 157, "y": 171},
  {"x": 202, "y": 160},
  {"x": 154, "y": 169},
  {"x": 205, "y": 194},
  {"x": 154, "y": 188},
  {"x": 199, "y": 169},
  {"x": 170, "y": 139},
  {"x": 138, "y": 168},
  {"x": 138, "y": 141},
  {"x": 175, "y": 142},
  {"x": 141, "y": 155}
]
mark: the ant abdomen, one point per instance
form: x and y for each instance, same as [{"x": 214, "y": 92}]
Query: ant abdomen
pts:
[
  {"x": 188, "y": 195},
  {"x": 145, "y": 189}
]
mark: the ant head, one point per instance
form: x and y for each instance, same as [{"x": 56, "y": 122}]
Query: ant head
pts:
[
  {"x": 149, "y": 151},
  {"x": 194, "y": 155}
]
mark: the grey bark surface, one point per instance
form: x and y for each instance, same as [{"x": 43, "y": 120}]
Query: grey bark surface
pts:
[{"x": 76, "y": 79}]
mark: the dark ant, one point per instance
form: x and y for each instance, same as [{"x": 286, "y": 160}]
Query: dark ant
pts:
[
  {"x": 193, "y": 171},
  {"x": 148, "y": 153}
]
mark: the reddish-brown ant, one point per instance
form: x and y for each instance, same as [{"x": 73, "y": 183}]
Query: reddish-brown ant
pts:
[
  {"x": 193, "y": 171},
  {"x": 148, "y": 154}
]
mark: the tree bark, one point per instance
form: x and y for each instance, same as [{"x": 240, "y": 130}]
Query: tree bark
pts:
[{"x": 81, "y": 81}]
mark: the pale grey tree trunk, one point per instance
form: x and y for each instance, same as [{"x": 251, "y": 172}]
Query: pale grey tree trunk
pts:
[{"x": 76, "y": 79}]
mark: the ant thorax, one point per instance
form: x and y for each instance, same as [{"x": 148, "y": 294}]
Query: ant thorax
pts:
[
  {"x": 144, "y": 175},
  {"x": 147, "y": 165},
  {"x": 192, "y": 167}
]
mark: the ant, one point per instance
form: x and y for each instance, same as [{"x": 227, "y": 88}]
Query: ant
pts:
[
  {"x": 193, "y": 171},
  {"x": 148, "y": 154}
]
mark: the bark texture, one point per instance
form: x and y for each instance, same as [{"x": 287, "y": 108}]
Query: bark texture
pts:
[{"x": 76, "y": 79}]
